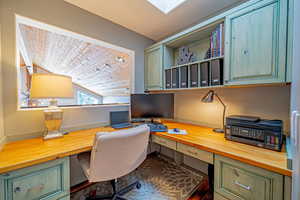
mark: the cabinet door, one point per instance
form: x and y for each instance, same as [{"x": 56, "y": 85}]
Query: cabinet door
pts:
[
  {"x": 238, "y": 181},
  {"x": 256, "y": 44},
  {"x": 154, "y": 68},
  {"x": 49, "y": 180}
]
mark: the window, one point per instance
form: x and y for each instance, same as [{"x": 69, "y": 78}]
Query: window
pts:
[
  {"x": 98, "y": 70},
  {"x": 166, "y": 6},
  {"x": 86, "y": 99}
]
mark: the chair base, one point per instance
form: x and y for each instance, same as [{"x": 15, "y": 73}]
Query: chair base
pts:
[{"x": 117, "y": 195}]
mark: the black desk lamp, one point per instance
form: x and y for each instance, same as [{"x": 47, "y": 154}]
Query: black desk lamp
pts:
[{"x": 209, "y": 98}]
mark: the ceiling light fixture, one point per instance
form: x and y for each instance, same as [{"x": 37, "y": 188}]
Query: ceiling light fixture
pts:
[
  {"x": 120, "y": 59},
  {"x": 166, "y": 6}
]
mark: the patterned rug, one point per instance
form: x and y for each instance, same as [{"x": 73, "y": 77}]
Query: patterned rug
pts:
[{"x": 160, "y": 178}]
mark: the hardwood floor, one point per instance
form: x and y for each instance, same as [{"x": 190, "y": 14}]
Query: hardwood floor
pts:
[{"x": 203, "y": 192}]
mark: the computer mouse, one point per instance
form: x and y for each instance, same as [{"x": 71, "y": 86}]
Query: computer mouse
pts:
[{"x": 176, "y": 130}]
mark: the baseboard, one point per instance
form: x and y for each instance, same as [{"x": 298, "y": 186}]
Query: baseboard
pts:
[{"x": 2, "y": 142}]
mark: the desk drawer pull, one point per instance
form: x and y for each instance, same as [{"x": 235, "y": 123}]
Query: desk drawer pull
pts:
[
  {"x": 242, "y": 185},
  {"x": 162, "y": 141},
  {"x": 17, "y": 189},
  {"x": 192, "y": 152}
]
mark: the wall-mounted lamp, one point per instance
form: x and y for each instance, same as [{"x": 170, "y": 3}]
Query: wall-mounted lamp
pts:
[{"x": 209, "y": 98}]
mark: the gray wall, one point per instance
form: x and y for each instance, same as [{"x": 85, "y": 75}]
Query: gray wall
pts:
[
  {"x": 69, "y": 17},
  {"x": 2, "y": 136},
  {"x": 266, "y": 102}
]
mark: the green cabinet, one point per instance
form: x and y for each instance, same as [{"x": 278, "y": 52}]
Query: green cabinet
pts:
[
  {"x": 154, "y": 68},
  {"x": 238, "y": 181},
  {"x": 255, "y": 44},
  {"x": 49, "y": 181}
]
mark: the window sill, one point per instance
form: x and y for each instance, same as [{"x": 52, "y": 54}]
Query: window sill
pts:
[{"x": 74, "y": 106}]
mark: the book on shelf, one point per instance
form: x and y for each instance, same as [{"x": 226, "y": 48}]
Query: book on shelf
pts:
[{"x": 217, "y": 41}]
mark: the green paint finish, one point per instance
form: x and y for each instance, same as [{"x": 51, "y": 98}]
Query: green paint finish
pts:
[
  {"x": 255, "y": 46},
  {"x": 238, "y": 181},
  {"x": 287, "y": 188},
  {"x": 154, "y": 68},
  {"x": 50, "y": 180},
  {"x": 290, "y": 41},
  {"x": 65, "y": 198}
]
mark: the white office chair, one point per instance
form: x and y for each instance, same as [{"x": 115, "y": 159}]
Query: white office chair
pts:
[{"x": 114, "y": 155}]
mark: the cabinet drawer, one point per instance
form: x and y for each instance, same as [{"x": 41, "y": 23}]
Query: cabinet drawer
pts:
[
  {"x": 235, "y": 180},
  {"x": 196, "y": 153},
  {"x": 65, "y": 198},
  {"x": 46, "y": 181},
  {"x": 165, "y": 142},
  {"x": 219, "y": 197}
]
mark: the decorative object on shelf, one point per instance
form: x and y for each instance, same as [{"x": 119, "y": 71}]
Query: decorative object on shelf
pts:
[
  {"x": 185, "y": 56},
  {"x": 51, "y": 86},
  {"x": 217, "y": 41},
  {"x": 209, "y": 98},
  {"x": 208, "y": 54}
]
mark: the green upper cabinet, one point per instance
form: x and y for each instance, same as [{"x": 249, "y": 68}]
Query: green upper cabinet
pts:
[
  {"x": 154, "y": 68},
  {"x": 255, "y": 51}
]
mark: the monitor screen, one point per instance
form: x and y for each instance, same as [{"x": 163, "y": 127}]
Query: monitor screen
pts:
[{"x": 152, "y": 105}]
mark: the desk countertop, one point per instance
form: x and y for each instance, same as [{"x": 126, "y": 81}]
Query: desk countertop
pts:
[{"x": 24, "y": 153}]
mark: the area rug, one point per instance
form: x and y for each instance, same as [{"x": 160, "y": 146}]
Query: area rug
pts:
[{"x": 161, "y": 179}]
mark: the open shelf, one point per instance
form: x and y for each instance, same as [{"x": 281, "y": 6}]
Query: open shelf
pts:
[
  {"x": 198, "y": 42},
  {"x": 197, "y": 62},
  {"x": 174, "y": 90}
]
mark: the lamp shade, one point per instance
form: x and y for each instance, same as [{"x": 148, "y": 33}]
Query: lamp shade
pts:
[
  {"x": 51, "y": 86},
  {"x": 209, "y": 97}
]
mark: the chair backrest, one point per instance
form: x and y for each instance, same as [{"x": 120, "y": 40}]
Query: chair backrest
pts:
[{"x": 116, "y": 154}]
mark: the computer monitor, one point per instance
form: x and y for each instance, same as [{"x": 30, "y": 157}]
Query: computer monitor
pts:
[{"x": 152, "y": 106}]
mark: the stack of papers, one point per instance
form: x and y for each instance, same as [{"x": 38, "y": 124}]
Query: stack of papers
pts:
[{"x": 180, "y": 132}]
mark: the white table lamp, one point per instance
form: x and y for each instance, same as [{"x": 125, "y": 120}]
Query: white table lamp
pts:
[{"x": 51, "y": 86}]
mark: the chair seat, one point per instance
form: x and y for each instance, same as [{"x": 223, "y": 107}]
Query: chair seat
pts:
[{"x": 84, "y": 160}]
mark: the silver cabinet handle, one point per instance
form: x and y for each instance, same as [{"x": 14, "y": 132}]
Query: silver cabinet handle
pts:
[
  {"x": 192, "y": 152},
  {"x": 242, "y": 185},
  {"x": 245, "y": 52}
]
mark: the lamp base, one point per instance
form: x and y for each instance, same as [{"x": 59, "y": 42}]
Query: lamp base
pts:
[
  {"x": 218, "y": 130},
  {"x": 53, "y": 120},
  {"x": 53, "y": 134}
]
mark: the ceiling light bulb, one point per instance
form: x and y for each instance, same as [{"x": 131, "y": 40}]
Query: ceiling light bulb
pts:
[{"x": 120, "y": 59}]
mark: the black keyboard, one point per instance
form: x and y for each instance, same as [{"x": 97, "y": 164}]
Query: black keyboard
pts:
[{"x": 156, "y": 127}]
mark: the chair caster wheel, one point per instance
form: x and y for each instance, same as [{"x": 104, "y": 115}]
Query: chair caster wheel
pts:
[{"x": 138, "y": 185}]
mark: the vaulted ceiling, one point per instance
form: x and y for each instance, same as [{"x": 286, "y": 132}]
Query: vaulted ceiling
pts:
[
  {"x": 144, "y": 18},
  {"x": 102, "y": 70}
]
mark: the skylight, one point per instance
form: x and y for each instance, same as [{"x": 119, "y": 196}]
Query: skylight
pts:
[{"x": 166, "y": 5}]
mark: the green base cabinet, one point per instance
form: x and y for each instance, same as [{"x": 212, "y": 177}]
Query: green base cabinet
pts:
[
  {"x": 255, "y": 44},
  {"x": 238, "y": 181},
  {"x": 65, "y": 198},
  {"x": 154, "y": 68},
  {"x": 47, "y": 181}
]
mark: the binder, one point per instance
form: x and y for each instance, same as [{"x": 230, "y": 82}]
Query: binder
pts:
[
  {"x": 168, "y": 78},
  {"x": 175, "y": 78},
  {"x": 194, "y": 75},
  {"x": 184, "y": 77},
  {"x": 217, "y": 72},
  {"x": 204, "y": 74}
]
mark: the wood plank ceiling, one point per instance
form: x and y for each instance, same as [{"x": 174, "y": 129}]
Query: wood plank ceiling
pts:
[{"x": 102, "y": 70}]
